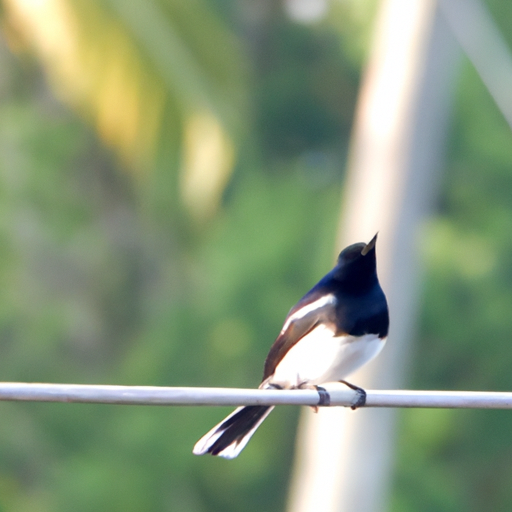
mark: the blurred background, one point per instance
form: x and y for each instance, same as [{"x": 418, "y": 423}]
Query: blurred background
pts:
[{"x": 171, "y": 177}]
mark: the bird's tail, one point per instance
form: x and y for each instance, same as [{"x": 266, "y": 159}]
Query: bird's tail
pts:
[{"x": 229, "y": 437}]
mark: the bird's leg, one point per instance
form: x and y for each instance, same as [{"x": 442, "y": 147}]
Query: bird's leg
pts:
[
  {"x": 324, "y": 399},
  {"x": 361, "y": 399}
]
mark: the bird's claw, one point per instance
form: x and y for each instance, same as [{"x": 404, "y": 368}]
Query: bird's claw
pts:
[
  {"x": 361, "y": 395},
  {"x": 324, "y": 399},
  {"x": 361, "y": 399}
]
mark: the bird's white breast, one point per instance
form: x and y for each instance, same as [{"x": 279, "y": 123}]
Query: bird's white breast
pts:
[{"x": 321, "y": 357}]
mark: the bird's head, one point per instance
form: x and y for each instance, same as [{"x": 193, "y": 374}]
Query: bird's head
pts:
[{"x": 357, "y": 263}]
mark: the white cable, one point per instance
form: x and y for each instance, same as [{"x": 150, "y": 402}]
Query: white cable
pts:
[{"x": 148, "y": 395}]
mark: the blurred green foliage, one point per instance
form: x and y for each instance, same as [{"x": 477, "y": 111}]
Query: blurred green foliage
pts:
[{"x": 106, "y": 278}]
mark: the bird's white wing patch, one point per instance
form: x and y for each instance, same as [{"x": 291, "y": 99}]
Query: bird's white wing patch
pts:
[{"x": 309, "y": 308}]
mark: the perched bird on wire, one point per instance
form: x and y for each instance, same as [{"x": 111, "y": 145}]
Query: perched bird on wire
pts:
[{"x": 339, "y": 325}]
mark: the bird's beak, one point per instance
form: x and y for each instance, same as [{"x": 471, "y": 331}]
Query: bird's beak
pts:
[{"x": 369, "y": 246}]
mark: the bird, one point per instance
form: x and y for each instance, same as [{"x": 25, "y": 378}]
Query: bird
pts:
[{"x": 334, "y": 329}]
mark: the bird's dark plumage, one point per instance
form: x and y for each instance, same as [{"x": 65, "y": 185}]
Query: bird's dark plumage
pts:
[{"x": 338, "y": 326}]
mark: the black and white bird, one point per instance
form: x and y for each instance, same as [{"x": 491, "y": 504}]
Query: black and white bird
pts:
[{"x": 339, "y": 325}]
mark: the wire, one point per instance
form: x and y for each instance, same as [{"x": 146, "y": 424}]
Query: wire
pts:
[{"x": 148, "y": 395}]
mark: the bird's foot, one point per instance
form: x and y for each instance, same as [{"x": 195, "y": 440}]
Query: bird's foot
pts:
[
  {"x": 361, "y": 398},
  {"x": 324, "y": 399}
]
